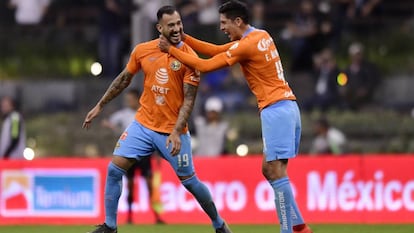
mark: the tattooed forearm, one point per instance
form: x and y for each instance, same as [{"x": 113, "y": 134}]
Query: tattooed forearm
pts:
[
  {"x": 190, "y": 93},
  {"x": 117, "y": 86}
]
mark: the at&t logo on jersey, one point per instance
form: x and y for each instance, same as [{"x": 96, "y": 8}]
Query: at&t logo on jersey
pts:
[
  {"x": 49, "y": 192},
  {"x": 161, "y": 76}
]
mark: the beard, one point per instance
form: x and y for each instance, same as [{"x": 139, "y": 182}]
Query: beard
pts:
[{"x": 174, "y": 37}]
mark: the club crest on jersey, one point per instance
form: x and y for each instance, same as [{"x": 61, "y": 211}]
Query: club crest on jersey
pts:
[{"x": 175, "y": 65}]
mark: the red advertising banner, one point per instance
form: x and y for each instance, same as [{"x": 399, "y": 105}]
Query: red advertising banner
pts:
[
  {"x": 348, "y": 189},
  {"x": 52, "y": 191}
]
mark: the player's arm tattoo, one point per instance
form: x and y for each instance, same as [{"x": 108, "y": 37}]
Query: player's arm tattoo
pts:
[
  {"x": 117, "y": 86},
  {"x": 190, "y": 92}
]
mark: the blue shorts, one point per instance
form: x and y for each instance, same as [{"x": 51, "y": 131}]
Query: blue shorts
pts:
[
  {"x": 138, "y": 141},
  {"x": 281, "y": 130}
]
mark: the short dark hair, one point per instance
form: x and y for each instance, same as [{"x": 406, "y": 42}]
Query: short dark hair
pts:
[
  {"x": 169, "y": 10},
  {"x": 233, "y": 9}
]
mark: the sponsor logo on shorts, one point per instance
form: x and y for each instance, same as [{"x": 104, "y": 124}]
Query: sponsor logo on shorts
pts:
[{"x": 123, "y": 136}]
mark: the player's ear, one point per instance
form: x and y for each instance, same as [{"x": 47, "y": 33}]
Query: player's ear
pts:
[
  {"x": 159, "y": 27},
  {"x": 238, "y": 21}
]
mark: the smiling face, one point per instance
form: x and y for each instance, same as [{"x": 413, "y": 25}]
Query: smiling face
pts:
[
  {"x": 171, "y": 27},
  {"x": 231, "y": 27},
  {"x": 234, "y": 19}
]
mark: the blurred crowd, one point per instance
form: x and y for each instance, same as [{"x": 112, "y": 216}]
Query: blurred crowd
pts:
[{"x": 313, "y": 32}]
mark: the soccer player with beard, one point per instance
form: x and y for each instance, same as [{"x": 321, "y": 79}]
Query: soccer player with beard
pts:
[
  {"x": 161, "y": 121},
  {"x": 256, "y": 52}
]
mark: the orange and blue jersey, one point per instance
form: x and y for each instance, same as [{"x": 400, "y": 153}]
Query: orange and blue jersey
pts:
[
  {"x": 259, "y": 59},
  {"x": 164, "y": 76}
]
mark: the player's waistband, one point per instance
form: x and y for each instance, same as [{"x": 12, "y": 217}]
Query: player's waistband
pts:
[{"x": 279, "y": 103}]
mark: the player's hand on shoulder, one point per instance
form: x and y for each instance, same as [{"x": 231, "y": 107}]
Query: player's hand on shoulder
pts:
[
  {"x": 164, "y": 44},
  {"x": 93, "y": 113}
]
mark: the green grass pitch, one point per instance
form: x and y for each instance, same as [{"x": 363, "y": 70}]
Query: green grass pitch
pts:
[{"x": 317, "y": 228}]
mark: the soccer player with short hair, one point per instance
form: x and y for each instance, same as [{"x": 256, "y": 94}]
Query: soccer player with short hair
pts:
[
  {"x": 160, "y": 122},
  {"x": 256, "y": 52}
]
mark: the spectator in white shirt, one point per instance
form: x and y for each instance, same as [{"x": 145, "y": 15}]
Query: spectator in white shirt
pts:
[
  {"x": 328, "y": 140},
  {"x": 211, "y": 130}
]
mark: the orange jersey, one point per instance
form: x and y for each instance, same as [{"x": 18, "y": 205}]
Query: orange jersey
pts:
[
  {"x": 257, "y": 54},
  {"x": 163, "y": 92},
  {"x": 259, "y": 59}
]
